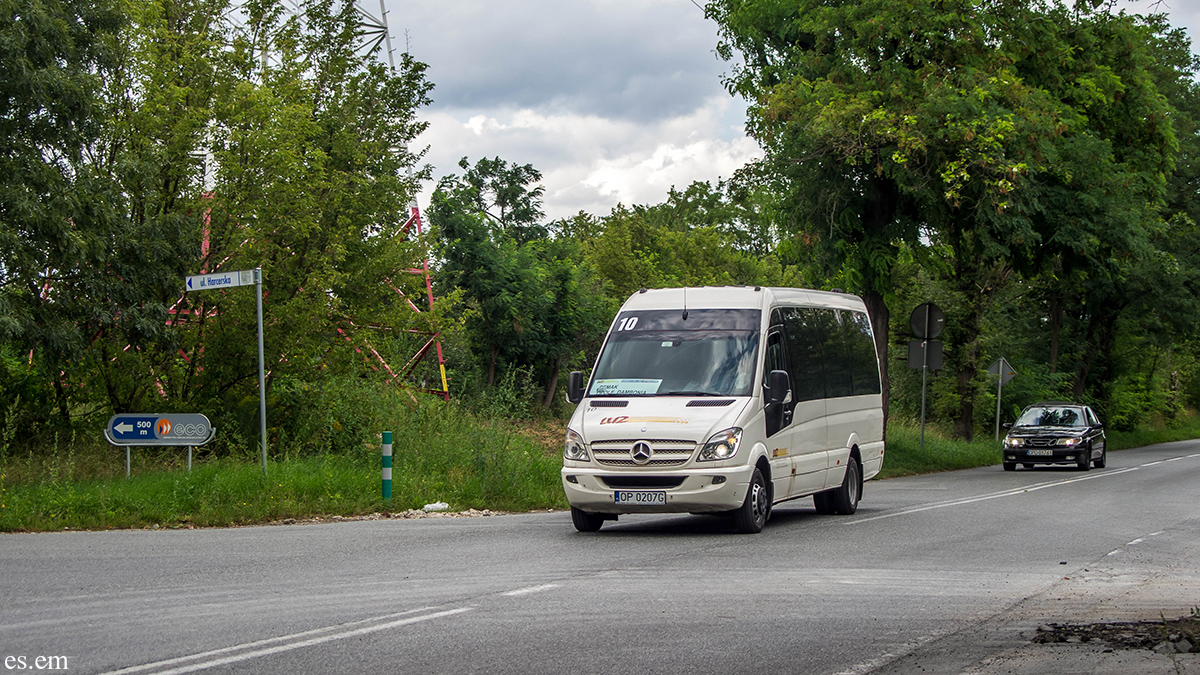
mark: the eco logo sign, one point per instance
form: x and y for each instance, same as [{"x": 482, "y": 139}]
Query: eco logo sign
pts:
[{"x": 153, "y": 429}]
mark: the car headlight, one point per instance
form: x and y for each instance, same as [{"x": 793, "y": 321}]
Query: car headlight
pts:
[
  {"x": 575, "y": 448},
  {"x": 1069, "y": 441},
  {"x": 1014, "y": 442},
  {"x": 722, "y": 445}
]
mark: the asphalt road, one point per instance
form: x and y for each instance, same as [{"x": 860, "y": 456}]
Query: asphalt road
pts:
[{"x": 937, "y": 572}]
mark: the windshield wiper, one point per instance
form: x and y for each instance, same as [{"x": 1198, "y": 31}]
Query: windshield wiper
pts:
[{"x": 691, "y": 393}]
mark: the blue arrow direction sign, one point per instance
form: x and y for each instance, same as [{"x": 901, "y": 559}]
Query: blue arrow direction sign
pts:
[
  {"x": 208, "y": 282},
  {"x": 153, "y": 429}
]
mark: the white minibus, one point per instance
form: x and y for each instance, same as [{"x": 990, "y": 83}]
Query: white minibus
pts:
[{"x": 726, "y": 401}]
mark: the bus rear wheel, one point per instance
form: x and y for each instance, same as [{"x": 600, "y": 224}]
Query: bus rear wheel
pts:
[{"x": 845, "y": 498}]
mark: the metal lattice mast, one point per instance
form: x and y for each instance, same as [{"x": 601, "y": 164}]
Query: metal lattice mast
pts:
[{"x": 376, "y": 32}]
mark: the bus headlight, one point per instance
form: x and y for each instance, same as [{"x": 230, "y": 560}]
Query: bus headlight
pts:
[
  {"x": 722, "y": 445},
  {"x": 575, "y": 449}
]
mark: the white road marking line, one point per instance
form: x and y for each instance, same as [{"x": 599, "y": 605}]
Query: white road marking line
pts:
[
  {"x": 1135, "y": 541},
  {"x": 1153, "y": 463},
  {"x": 1113, "y": 552},
  {"x": 994, "y": 495},
  {"x": 896, "y": 652},
  {"x": 245, "y": 656},
  {"x": 1174, "y": 459},
  {"x": 531, "y": 589},
  {"x": 259, "y": 643}
]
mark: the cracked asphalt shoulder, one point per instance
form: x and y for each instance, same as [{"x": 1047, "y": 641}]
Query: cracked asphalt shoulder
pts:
[{"x": 1079, "y": 624}]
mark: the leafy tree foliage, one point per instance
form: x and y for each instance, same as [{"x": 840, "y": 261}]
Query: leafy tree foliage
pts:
[
  {"x": 179, "y": 143},
  {"x": 56, "y": 227},
  {"x": 697, "y": 237},
  {"x": 530, "y": 303},
  {"x": 991, "y": 135}
]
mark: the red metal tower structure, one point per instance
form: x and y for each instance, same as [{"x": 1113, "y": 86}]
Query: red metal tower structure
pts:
[{"x": 434, "y": 341}]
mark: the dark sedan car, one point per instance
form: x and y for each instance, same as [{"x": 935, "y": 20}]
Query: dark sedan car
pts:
[{"x": 1055, "y": 433}]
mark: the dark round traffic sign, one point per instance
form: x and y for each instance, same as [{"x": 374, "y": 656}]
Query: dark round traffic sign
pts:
[{"x": 927, "y": 321}]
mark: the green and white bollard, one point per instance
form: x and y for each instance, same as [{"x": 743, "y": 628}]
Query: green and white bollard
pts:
[{"x": 387, "y": 465}]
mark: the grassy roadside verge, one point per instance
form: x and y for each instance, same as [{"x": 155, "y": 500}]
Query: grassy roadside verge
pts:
[
  {"x": 440, "y": 454},
  {"x": 904, "y": 456}
]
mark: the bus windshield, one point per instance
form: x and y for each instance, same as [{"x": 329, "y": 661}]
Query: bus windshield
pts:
[{"x": 677, "y": 363}]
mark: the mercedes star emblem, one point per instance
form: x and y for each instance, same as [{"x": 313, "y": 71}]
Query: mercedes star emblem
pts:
[{"x": 641, "y": 452}]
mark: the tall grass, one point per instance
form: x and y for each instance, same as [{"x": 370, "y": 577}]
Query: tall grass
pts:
[
  {"x": 440, "y": 453},
  {"x": 904, "y": 455}
]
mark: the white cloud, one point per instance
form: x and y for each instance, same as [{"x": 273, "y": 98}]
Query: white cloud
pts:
[
  {"x": 613, "y": 101},
  {"x": 592, "y": 163}
]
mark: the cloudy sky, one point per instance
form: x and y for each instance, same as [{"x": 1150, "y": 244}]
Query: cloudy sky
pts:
[{"x": 614, "y": 101}]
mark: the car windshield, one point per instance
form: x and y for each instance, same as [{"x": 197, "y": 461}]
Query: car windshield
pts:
[
  {"x": 1052, "y": 416},
  {"x": 676, "y": 363}
]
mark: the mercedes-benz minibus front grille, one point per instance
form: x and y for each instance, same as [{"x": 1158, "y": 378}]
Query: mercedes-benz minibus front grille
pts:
[
  {"x": 633, "y": 482},
  {"x": 664, "y": 452}
]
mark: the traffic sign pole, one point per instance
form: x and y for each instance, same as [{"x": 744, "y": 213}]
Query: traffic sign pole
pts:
[
  {"x": 1006, "y": 372},
  {"x": 924, "y": 372},
  {"x": 927, "y": 322},
  {"x": 999, "y": 393},
  {"x": 218, "y": 280},
  {"x": 262, "y": 391}
]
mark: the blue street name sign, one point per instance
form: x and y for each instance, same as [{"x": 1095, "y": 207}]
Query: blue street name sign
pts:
[
  {"x": 153, "y": 429},
  {"x": 208, "y": 282}
]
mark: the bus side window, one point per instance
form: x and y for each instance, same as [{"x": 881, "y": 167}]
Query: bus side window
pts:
[{"x": 806, "y": 342}]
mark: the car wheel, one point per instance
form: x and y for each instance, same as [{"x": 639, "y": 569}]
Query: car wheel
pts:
[
  {"x": 1084, "y": 460},
  {"x": 586, "y": 522},
  {"x": 753, "y": 515},
  {"x": 1103, "y": 461},
  {"x": 845, "y": 498},
  {"x": 1010, "y": 466},
  {"x": 824, "y": 503}
]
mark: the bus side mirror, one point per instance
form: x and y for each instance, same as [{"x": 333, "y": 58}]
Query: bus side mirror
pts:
[
  {"x": 1007, "y": 425},
  {"x": 779, "y": 387},
  {"x": 575, "y": 386}
]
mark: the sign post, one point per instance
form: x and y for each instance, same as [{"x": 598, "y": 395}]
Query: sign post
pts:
[
  {"x": 1006, "y": 372},
  {"x": 208, "y": 282},
  {"x": 926, "y": 322}
]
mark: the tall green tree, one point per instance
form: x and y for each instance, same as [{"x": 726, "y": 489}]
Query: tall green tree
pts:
[
  {"x": 946, "y": 123},
  {"x": 312, "y": 141},
  {"x": 158, "y": 107},
  {"x": 56, "y": 224}
]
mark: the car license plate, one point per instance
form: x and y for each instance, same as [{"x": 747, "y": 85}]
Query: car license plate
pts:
[
  {"x": 1034, "y": 452},
  {"x": 640, "y": 497}
]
